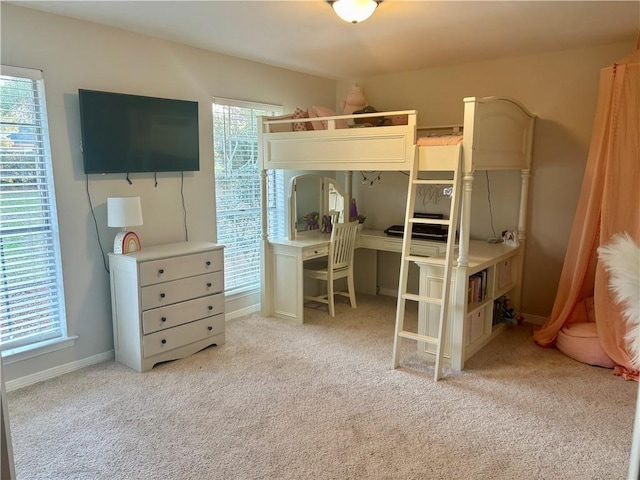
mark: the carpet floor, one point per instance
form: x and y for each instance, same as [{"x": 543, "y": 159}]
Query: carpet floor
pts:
[{"x": 320, "y": 401}]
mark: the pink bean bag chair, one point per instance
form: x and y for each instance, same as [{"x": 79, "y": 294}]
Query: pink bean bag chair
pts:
[{"x": 579, "y": 339}]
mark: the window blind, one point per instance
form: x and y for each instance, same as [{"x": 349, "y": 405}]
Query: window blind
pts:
[
  {"x": 31, "y": 294},
  {"x": 238, "y": 191},
  {"x": 276, "y": 204}
]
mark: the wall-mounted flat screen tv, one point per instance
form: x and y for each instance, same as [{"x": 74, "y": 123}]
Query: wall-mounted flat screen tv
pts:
[{"x": 131, "y": 133}]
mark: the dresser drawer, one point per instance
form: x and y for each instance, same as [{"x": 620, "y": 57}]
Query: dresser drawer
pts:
[
  {"x": 179, "y": 313},
  {"x": 167, "y": 269},
  {"x": 155, "y": 296},
  {"x": 171, "y": 338}
]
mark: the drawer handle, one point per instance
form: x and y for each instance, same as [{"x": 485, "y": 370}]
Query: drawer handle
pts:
[
  {"x": 210, "y": 307},
  {"x": 208, "y": 264},
  {"x": 209, "y": 328},
  {"x": 163, "y": 341},
  {"x": 161, "y": 271},
  {"x": 162, "y": 295},
  {"x": 163, "y": 319},
  {"x": 209, "y": 284}
]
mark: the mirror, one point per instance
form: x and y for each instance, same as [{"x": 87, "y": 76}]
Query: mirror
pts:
[
  {"x": 336, "y": 201},
  {"x": 312, "y": 196},
  {"x": 305, "y": 195}
]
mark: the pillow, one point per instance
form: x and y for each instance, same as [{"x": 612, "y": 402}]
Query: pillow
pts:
[
  {"x": 327, "y": 112},
  {"x": 399, "y": 119},
  {"x": 301, "y": 126},
  {"x": 281, "y": 127},
  {"x": 316, "y": 125}
]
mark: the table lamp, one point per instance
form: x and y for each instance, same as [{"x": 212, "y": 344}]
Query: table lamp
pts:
[{"x": 124, "y": 212}]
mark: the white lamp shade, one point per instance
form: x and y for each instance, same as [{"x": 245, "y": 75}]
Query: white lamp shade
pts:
[
  {"x": 124, "y": 211},
  {"x": 354, "y": 11}
]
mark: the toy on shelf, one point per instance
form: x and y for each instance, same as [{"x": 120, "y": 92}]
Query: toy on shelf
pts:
[{"x": 504, "y": 313}]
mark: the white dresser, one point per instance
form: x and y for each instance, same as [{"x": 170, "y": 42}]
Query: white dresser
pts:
[{"x": 167, "y": 302}]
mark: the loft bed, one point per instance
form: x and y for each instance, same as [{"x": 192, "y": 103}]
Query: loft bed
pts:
[
  {"x": 364, "y": 148},
  {"x": 497, "y": 134}
]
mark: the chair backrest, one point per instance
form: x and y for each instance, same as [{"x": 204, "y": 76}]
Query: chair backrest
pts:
[{"x": 343, "y": 241}]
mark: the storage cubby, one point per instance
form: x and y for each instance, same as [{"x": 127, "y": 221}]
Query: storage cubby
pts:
[
  {"x": 478, "y": 287},
  {"x": 476, "y": 325},
  {"x": 490, "y": 274},
  {"x": 504, "y": 280}
]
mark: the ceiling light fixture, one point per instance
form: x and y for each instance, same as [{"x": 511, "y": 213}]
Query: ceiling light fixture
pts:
[{"x": 354, "y": 11}]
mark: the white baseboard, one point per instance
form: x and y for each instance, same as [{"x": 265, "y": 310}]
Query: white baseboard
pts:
[
  {"x": 389, "y": 292},
  {"x": 242, "y": 312},
  {"x": 102, "y": 357},
  {"x": 57, "y": 371},
  {"x": 535, "y": 319}
]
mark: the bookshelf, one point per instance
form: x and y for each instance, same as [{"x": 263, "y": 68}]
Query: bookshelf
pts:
[{"x": 493, "y": 270}]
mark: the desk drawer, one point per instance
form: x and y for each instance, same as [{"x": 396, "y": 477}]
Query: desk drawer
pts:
[
  {"x": 171, "y": 338},
  {"x": 155, "y": 296},
  {"x": 177, "y": 314},
  {"x": 168, "y": 269},
  {"x": 390, "y": 246},
  {"x": 426, "y": 250},
  {"x": 315, "y": 252}
]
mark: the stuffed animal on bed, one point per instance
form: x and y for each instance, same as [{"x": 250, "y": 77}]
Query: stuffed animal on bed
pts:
[
  {"x": 354, "y": 101},
  {"x": 367, "y": 121}
]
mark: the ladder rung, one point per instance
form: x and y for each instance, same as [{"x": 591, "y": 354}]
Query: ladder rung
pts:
[
  {"x": 417, "y": 258},
  {"x": 430, "y": 221},
  {"x": 422, "y": 298},
  {"x": 435, "y": 261},
  {"x": 432, "y": 182},
  {"x": 418, "y": 337}
]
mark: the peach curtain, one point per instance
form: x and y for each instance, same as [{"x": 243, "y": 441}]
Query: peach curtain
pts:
[{"x": 609, "y": 203}]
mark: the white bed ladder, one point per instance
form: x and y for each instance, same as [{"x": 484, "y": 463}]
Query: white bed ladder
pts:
[{"x": 407, "y": 258}]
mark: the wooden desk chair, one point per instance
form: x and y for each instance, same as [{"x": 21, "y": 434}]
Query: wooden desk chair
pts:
[{"x": 339, "y": 264}]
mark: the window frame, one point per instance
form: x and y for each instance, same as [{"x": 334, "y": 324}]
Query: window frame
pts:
[
  {"x": 276, "y": 188},
  {"x": 41, "y": 343}
]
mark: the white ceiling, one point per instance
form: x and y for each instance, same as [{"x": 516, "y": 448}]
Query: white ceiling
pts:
[{"x": 306, "y": 35}]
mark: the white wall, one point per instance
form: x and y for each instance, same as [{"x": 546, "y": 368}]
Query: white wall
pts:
[
  {"x": 561, "y": 89},
  {"x": 75, "y": 54}
]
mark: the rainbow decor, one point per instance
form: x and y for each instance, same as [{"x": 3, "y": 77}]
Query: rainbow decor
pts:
[{"x": 126, "y": 242}]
